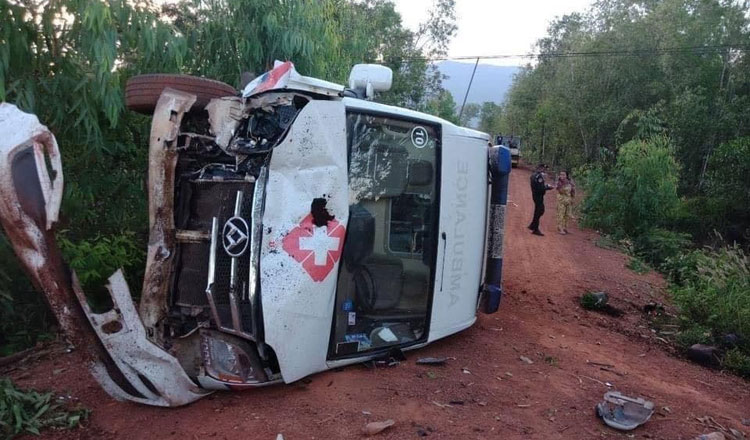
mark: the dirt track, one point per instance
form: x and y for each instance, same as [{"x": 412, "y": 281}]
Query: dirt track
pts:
[{"x": 500, "y": 396}]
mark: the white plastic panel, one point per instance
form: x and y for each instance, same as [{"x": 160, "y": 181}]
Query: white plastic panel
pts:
[{"x": 298, "y": 296}]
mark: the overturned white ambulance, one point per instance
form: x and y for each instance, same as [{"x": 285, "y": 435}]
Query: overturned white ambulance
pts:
[{"x": 296, "y": 226}]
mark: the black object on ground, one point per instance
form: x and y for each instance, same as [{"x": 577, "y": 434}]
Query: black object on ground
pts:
[{"x": 431, "y": 361}]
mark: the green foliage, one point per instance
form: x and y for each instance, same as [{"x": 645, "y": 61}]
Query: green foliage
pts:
[
  {"x": 489, "y": 118},
  {"x": 713, "y": 292},
  {"x": 443, "y": 106},
  {"x": 657, "y": 246},
  {"x": 694, "y": 334},
  {"x": 728, "y": 187},
  {"x": 23, "y": 313},
  {"x": 96, "y": 259},
  {"x": 635, "y": 83},
  {"x": 638, "y": 194},
  {"x": 638, "y": 266},
  {"x": 737, "y": 361},
  {"x": 28, "y": 411}
]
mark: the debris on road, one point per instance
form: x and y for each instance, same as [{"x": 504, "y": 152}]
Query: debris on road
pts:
[
  {"x": 594, "y": 300},
  {"x": 373, "y": 428},
  {"x": 599, "y": 302},
  {"x": 432, "y": 361},
  {"x": 526, "y": 360},
  {"x": 622, "y": 412}
]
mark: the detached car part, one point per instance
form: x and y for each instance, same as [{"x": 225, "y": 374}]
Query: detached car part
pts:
[{"x": 293, "y": 227}]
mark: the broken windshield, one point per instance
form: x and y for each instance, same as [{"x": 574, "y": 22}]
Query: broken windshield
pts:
[{"x": 384, "y": 286}]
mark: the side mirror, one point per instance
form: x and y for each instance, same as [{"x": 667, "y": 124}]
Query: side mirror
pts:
[{"x": 371, "y": 78}]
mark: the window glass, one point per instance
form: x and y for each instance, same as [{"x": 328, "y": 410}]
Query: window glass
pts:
[{"x": 384, "y": 286}]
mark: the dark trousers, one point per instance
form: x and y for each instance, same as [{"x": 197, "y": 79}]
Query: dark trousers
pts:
[{"x": 538, "y": 212}]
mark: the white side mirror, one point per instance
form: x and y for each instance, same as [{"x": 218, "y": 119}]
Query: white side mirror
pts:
[{"x": 370, "y": 77}]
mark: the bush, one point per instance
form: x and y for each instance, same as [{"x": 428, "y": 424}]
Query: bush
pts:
[
  {"x": 693, "y": 334},
  {"x": 638, "y": 266},
  {"x": 656, "y": 246},
  {"x": 714, "y": 292},
  {"x": 638, "y": 194},
  {"x": 95, "y": 260},
  {"x": 737, "y": 361},
  {"x": 728, "y": 187},
  {"x": 24, "y": 316},
  {"x": 31, "y": 411}
]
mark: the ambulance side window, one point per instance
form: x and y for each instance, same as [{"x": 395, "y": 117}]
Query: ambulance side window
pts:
[{"x": 384, "y": 285}]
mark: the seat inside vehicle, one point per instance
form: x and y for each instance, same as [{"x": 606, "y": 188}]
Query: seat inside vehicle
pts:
[{"x": 384, "y": 284}]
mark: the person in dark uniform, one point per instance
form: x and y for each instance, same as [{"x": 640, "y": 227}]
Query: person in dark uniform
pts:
[{"x": 538, "y": 188}]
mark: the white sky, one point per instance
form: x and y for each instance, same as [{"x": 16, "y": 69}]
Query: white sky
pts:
[{"x": 495, "y": 27}]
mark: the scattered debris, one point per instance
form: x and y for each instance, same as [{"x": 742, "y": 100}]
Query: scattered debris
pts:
[
  {"x": 746, "y": 422},
  {"x": 527, "y": 360},
  {"x": 594, "y": 300},
  {"x": 600, "y": 364},
  {"x": 703, "y": 354},
  {"x": 622, "y": 412},
  {"x": 524, "y": 406},
  {"x": 465, "y": 370},
  {"x": 279, "y": 437},
  {"x": 432, "y": 361},
  {"x": 456, "y": 402},
  {"x": 366, "y": 413},
  {"x": 373, "y": 428},
  {"x": 653, "y": 307},
  {"x": 599, "y": 302}
]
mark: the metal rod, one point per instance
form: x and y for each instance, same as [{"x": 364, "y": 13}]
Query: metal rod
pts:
[
  {"x": 233, "y": 275},
  {"x": 212, "y": 271},
  {"x": 463, "y": 104},
  {"x": 256, "y": 229}
]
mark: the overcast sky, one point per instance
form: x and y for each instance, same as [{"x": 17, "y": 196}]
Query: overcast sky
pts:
[{"x": 495, "y": 27}]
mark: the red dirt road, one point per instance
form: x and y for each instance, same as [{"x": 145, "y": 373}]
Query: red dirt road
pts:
[{"x": 495, "y": 394}]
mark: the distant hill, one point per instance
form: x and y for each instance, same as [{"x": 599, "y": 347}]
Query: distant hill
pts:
[{"x": 491, "y": 83}]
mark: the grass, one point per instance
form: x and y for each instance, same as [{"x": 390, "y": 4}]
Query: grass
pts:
[
  {"x": 29, "y": 411},
  {"x": 738, "y": 362},
  {"x": 638, "y": 266}
]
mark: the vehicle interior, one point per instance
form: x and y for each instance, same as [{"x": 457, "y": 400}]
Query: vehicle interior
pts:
[{"x": 384, "y": 286}]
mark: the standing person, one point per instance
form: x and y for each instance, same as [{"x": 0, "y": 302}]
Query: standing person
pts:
[
  {"x": 538, "y": 188},
  {"x": 566, "y": 191}
]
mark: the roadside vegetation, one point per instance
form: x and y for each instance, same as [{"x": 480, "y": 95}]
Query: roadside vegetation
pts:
[
  {"x": 653, "y": 117},
  {"x": 27, "y": 411}
]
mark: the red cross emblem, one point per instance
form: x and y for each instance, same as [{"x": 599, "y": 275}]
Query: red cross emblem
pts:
[{"x": 317, "y": 248}]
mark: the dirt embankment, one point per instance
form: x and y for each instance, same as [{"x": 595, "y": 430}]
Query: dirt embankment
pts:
[{"x": 487, "y": 391}]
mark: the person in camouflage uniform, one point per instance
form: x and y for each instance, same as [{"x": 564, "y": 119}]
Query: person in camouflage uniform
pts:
[{"x": 566, "y": 191}]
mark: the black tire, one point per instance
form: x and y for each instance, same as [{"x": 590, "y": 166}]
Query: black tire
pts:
[{"x": 142, "y": 91}]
